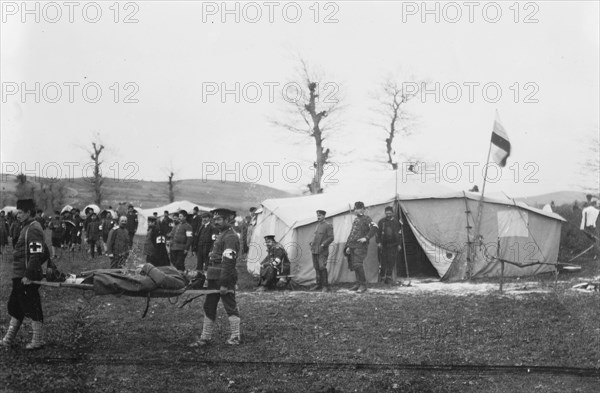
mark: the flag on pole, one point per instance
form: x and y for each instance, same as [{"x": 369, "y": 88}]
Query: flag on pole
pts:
[{"x": 500, "y": 148}]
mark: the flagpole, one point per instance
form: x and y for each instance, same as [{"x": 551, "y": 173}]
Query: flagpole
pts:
[{"x": 480, "y": 207}]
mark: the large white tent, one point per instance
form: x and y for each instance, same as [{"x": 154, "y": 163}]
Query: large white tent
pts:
[
  {"x": 174, "y": 207},
  {"x": 439, "y": 224}
]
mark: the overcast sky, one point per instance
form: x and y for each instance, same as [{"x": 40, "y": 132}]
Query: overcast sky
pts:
[{"x": 168, "y": 59}]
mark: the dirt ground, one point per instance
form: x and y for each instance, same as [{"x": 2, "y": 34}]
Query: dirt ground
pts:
[{"x": 536, "y": 336}]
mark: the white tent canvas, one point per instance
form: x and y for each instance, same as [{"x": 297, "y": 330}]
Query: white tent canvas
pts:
[
  {"x": 174, "y": 207},
  {"x": 436, "y": 218}
]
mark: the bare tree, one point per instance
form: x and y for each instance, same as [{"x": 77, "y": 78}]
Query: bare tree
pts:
[
  {"x": 171, "y": 184},
  {"x": 52, "y": 195},
  {"x": 171, "y": 188},
  {"x": 97, "y": 179},
  {"x": 311, "y": 115},
  {"x": 392, "y": 115}
]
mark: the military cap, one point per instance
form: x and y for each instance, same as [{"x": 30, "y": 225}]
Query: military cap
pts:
[
  {"x": 183, "y": 212},
  {"x": 270, "y": 237},
  {"x": 389, "y": 209},
  {"x": 151, "y": 219},
  {"x": 205, "y": 215},
  {"x": 130, "y": 205},
  {"x": 322, "y": 212},
  {"x": 252, "y": 210},
  {"x": 359, "y": 205},
  {"x": 196, "y": 208},
  {"x": 223, "y": 213}
]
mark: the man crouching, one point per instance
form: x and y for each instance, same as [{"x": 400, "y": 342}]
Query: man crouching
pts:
[
  {"x": 222, "y": 275},
  {"x": 24, "y": 300},
  {"x": 275, "y": 263}
]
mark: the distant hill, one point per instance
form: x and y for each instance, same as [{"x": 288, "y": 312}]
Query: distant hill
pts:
[
  {"x": 559, "y": 198},
  {"x": 148, "y": 194}
]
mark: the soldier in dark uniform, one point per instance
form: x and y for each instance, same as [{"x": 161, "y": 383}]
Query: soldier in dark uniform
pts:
[
  {"x": 117, "y": 246},
  {"x": 363, "y": 229},
  {"x": 155, "y": 247},
  {"x": 196, "y": 221},
  {"x": 203, "y": 241},
  {"x": 29, "y": 255},
  {"x": 181, "y": 241},
  {"x": 275, "y": 263},
  {"x": 166, "y": 223},
  {"x": 132, "y": 223},
  {"x": 222, "y": 275},
  {"x": 319, "y": 248},
  {"x": 389, "y": 244},
  {"x": 79, "y": 226},
  {"x": 4, "y": 231},
  {"x": 160, "y": 255}
]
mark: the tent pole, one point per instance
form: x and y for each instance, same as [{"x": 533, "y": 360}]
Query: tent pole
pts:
[
  {"x": 478, "y": 237},
  {"x": 404, "y": 246},
  {"x": 501, "y": 265}
]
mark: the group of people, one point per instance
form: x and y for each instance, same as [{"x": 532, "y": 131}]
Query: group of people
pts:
[
  {"x": 214, "y": 240},
  {"x": 388, "y": 234}
]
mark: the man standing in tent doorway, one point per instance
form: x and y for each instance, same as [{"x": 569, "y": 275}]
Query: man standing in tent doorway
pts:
[
  {"x": 389, "y": 244},
  {"x": 363, "y": 229},
  {"x": 319, "y": 247}
]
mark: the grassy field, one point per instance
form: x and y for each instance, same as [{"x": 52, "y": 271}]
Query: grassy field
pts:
[{"x": 297, "y": 341}]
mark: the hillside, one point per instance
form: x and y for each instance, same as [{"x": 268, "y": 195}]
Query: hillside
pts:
[
  {"x": 148, "y": 194},
  {"x": 559, "y": 198}
]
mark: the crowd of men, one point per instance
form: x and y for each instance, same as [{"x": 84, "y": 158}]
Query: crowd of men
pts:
[{"x": 215, "y": 238}]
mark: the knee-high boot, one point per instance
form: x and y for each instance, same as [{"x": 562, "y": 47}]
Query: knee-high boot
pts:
[
  {"x": 11, "y": 333},
  {"x": 234, "y": 326},
  {"x": 37, "y": 341}
]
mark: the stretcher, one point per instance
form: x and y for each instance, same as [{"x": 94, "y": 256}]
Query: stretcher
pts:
[{"x": 146, "y": 282}]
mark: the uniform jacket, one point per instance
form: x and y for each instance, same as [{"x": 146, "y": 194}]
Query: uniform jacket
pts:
[
  {"x": 181, "y": 236},
  {"x": 223, "y": 258},
  {"x": 389, "y": 232},
  {"x": 322, "y": 239},
  {"x": 278, "y": 258},
  {"x": 118, "y": 242},
  {"x": 107, "y": 224},
  {"x": 93, "y": 230},
  {"x": 166, "y": 224},
  {"x": 132, "y": 221},
  {"x": 29, "y": 251},
  {"x": 196, "y": 222},
  {"x": 362, "y": 226},
  {"x": 205, "y": 237},
  {"x": 57, "y": 228}
]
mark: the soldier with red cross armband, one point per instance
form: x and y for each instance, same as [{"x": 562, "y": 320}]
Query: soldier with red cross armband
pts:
[
  {"x": 363, "y": 229},
  {"x": 28, "y": 257},
  {"x": 222, "y": 275}
]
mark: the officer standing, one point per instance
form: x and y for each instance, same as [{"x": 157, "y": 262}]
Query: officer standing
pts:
[
  {"x": 132, "y": 223},
  {"x": 357, "y": 245},
  {"x": 181, "y": 241},
  {"x": 389, "y": 244},
  {"x": 222, "y": 275},
  {"x": 28, "y": 257},
  {"x": 117, "y": 247},
  {"x": 203, "y": 242},
  {"x": 319, "y": 247}
]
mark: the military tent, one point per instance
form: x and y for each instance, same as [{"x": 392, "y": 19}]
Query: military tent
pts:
[
  {"x": 174, "y": 207},
  {"x": 439, "y": 232}
]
